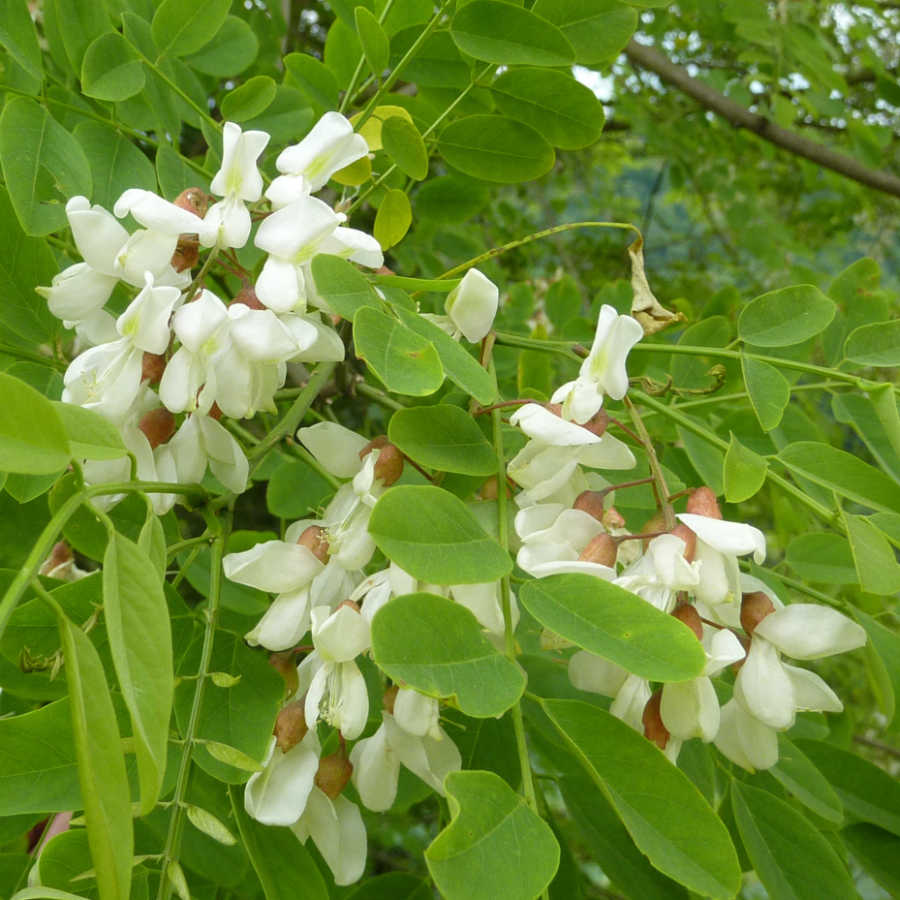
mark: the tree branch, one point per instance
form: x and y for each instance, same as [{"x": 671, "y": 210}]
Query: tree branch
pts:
[{"x": 740, "y": 117}]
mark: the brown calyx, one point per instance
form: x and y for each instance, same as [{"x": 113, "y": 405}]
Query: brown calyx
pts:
[
  {"x": 598, "y": 423},
  {"x": 690, "y": 540},
  {"x": 689, "y": 615},
  {"x": 194, "y": 200},
  {"x": 612, "y": 518},
  {"x": 591, "y": 502},
  {"x": 755, "y": 607},
  {"x": 333, "y": 774},
  {"x": 315, "y": 539},
  {"x": 187, "y": 252},
  {"x": 389, "y": 465},
  {"x": 290, "y": 726},
  {"x": 390, "y": 698},
  {"x": 59, "y": 556},
  {"x": 702, "y": 502},
  {"x": 601, "y": 549},
  {"x": 285, "y": 665},
  {"x": 152, "y": 367},
  {"x": 158, "y": 426},
  {"x": 655, "y": 524},
  {"x": 215, "y": 412},
  {"x": 247, "y": 297},
  {"x": 654, "y": 729}
]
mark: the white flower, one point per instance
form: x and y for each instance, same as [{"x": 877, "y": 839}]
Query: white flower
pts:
[
  {"x": 161, "y": 216},
  {"x": 279, "y": 793},
  {"x": 745, "y": 740},
  {"x": 106, "y": 378},
  {"x": 202, "y": 441},
  {"x": 145, "y": 321},
  {"x": 661, "y": 573},
  {"x": 603, "y": 371},
  {"x": 472, "y": 305}
]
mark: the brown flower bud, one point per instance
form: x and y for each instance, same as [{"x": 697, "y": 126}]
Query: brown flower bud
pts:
[
  {"x": 690, "y": 540},
  {"x": 601, "y": 549},
  {"x": 689, "y": 615},
  {"x": 187, "y": 252},
  {"x": 247, "y": 296},
  {"x": 654, "y": 729},
  {"x": 290, "y": 726},
  {"x": 702, "y": 502},
  {"x": 389, "y": 465},
  {"x": 315, "y": 539},
  {"x": 194, "y": 200},
  {"x": 754, "y": 608},
  {"x": 654, "y": 524},
  {"x": 390, "y": 698},
  {"x": 152, "y": 367},
  {"x": 376, "y": 443},
  {"x": 612, "y": 518},
  {"x": 284, "y": 664},
  {"x": 158, "y": 425},
  {"x": 333, "y": 774},
  {"x": 591, "y": 502}
]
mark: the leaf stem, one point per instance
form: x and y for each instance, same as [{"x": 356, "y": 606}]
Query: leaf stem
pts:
[{"x": 659, "y": 479}]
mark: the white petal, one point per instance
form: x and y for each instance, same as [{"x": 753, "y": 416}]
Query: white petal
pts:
[
  {"x": 77, "y": 292},
  {"x": 723, "y": 648},
  {"x": 811, "y": 692},
  {"x": 278, "y": 794},
  {"x": 355, "y": 245},
  {"x": 763, "y": 688},
  {"x": 157, "y": 214},
  {"x": 284, "y": 623},
  {"x": 196, "y": 322},
  {"x": 338, "y": 832},
  {"x": 630, "y": 701},
  {"x": 351, "y": 707},
  {"x": 375, "y": 771},
  {"x": 430, "y": 758},
  {"x": 259, "y": 335},
  {"x": 589, "y": 672},
  {"x": 274, "y": 566},
  {"x": 472, "y": 305},
  {"x": 810, "y": 631},
  {"x": 145, "y": 251},
  {"x": 340, "y": 635},
  {"x": 690, "y": 709},
  {"x": 335, "y": 448},
  {"x": 98, "y": 236},
  {"x": 609, "y": 453},
  {"x": 415, "y": 713},
  {"x": 294, "y": 232},
  {"x": 539, "y": 423},
  {"x": 226, "y": 459},
  {"x": 745, "y": 740},
  {"x": 730, "y": 538}
]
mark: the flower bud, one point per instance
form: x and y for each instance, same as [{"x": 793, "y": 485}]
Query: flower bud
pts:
[
  {"x": 702, "y": 502},
  {"x": 152, "y": 367},
  {"x": 194, "y": 200},
  {"x": 754, "y": 608},
  {"x": 654, "y": 729},
  {"x": 290, "y": 726},
  {"x": 390, "y": 697},
  {"x": 247, "y": 297},
  {"x": 601, "y": 549},
  {"x": 689, "y": 615},
  {"x": 612, "y": 518},
  {"x": 591, "y": 502},
  {"x": 158, "y": 426},
  {"x": 333, "y": 774},
  {"x": 284, "y": 664},
  {"x": 690, "y": 540},
  {"x": 315, "y": 539}
]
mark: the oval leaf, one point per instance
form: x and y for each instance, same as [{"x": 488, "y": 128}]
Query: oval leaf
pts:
[
  {"x": 665, "y": 814},
  {"x": 443, "y": 437},
  {"x": 743, "y": 472},
  {"x": 495, "y": 148},
  {"x": 822, "y": 557},
  {"x": 494, "y": 846},
  {"x": 403, "y": 143},
  {"x": 250, "y": 99},
  {"x": 769, "y": 391},
  {"x": 432, "y": 535},
  {"x": 393, "y": 219},
  {"x": 91, "y": 436},
  {"x": 797, "y": 774},
  {"x": 180, "y": 28},
  {"x": 877, "y": 344},
  {"x": 111, "y": 69},
  {"x": 438, "y": 647},
  {"x": 32, "y": 438},
  {"x": 614, "y": 623},
  {"x": 784, "y": 317},
  {"x": 374, "y": 41},
  {"x": 342, "y": 286},
  {"x": 597, "y": 29}
]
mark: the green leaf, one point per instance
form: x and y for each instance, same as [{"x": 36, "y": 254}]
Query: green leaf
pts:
[
  {"x": 867, "y": 792},
  {"x": 181, "y": 27},
  {"x": 116, "y": 163},
  {"x": 250, "y": 99},
  {"x": 786, "y": 316},
  {"x": 563, "y": 111},
  {"x": 822, "y": 556},
  {"x": 769, "y": 391},
  {"x": 877, "y": 851},
  {"x": 509, "y": 35},
  {"x": 393, "y": 218},
  {"x": 111, "y": 69},
  {"x": 393, "y": 886},
  {"x": 281, "y": 862},
  {"x": 175, "y": 174},
  {"x": 459, "y": 365},
  {"x": 90, "y": 435},
  {"x": 233, "y": 50},
  {"x": 152, "y": 541},
  {"x": 375, "y": 45},
  {"x": 450, "y": 198},
  {"x": 101, "y": 765},
  {"x": 287, "y": 116},
  {"x": 205, "y": 821},
  {"x": 438, "y": 647},
  {"x": 875, "y": 419},
  {"x": 342, "y": 286},
  {"x": 495, "y": 148},
  {"x": 876, "y": 566},
  {"x": 843, "y": 473},
  {"x": 140, "y": 640},
  {"x": 296, "y": 490},
  {"x": 403, "y": 143},
  {"x": 432, "y": 535},
  {"x": 43, "y": 165},
  {"x": 597, "y": 29},
  {"x": 743, "y": 472},
  {"x": 231, "y": 756},
  {"x": 18, "y": 37},
  {"x": 800, "y": 777},
  {"x": 44, "y": 893},
  {"x": 494, "y": 846},
  {"x": 792, "y": 859},
  {"x": 403, "y": 360},
  {"x": 614, "y": 623},
  {"x": 443, "y": 437},
  {"x": 38, "y": 766},
  {"x": 665, "y": 814},
  {"x": 883, "y": 650},
  {"x": 708, "y": 460},
  {"x": 32, "y": 438},
  {"x": 313, "y": 79},
  {"x": 877, "y": 344},
  {"x": 79, "y": 24}
]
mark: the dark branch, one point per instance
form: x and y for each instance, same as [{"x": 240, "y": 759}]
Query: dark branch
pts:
[{"x": 741, "y": 117}]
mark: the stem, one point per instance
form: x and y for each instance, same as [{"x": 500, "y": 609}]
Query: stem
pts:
[
  {"x": 562, "y": 348},
  {"x": 659, "y": 480},
  {"x": 379, "y": 396},
  {"x": 173, "y": 837},
  {"x": 351, "y": 88},
  {"x": 22, "y": 353}
]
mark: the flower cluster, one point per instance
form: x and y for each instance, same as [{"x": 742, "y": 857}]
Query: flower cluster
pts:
[{"x": 566, "y": 523}]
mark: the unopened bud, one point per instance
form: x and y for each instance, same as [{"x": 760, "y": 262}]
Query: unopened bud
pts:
[
  {"x": 601, "y": 549},
  {"x": 290, "y": 726},
  {"x": 390, "y": 698},
  {"x": 152, "y": 367},
  {"x": 654, "y": 729},
  {"x": 702, "y": 502},
  {"x": 591, "y": 502},
  {"x": 689, "y": 615},
  {"x": 612, "y": 518},
  {"x": 389, "y": 465},
  {"x": 315, "y": 539},
  {"x": 284, "y": 664},
  {"x": 376, "y": 443},
  {"x": 333, "y": 774},
  {"x": 690, "y": 540},
  {"x": 194, "y": 200},
  {"x": 247, "y": 297},
  {"x": 754, "y": 608},
  {"x": 158, "y": 426}
]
